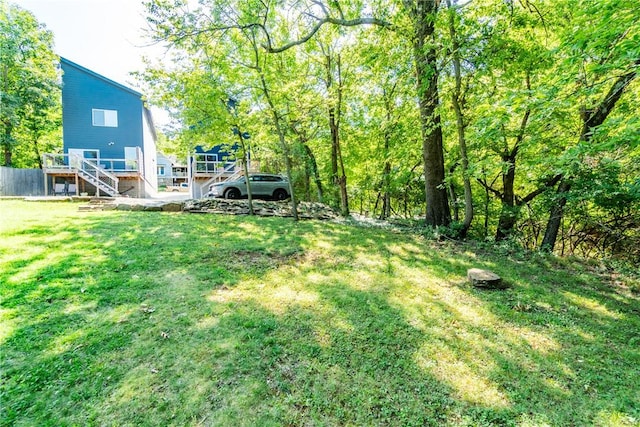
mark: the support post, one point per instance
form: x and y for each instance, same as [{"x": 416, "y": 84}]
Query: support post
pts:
[{"x": 97, "y": 182}]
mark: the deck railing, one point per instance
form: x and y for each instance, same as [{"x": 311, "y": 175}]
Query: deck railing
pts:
[
  {"x": 65, "y": 162},
  {"x": 56, "y": 161},
  {"x": 211, "y": 167}
]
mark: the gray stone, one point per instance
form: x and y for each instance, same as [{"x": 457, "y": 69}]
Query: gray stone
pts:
[
  {"x": 485, "y": 279},
  {"x": 261, "y": 207},
  {"x": 172, "y": 207}
]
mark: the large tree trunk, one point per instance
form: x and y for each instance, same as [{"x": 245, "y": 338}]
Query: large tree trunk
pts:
[
  {"x": 6, "y": 144},
  {"x": 7, "y": 155},
  {"x": 245, "y": 169},
  {"x": 424, "y": 15},
  {"x": 555, "y": 216},
  {"x": 509, "y": 212},
  {"x": 591, "y": 120},
  {"x": 340, "y": 179},
  {"x": 457, "y": 101},
  {"x": 36, "y": 149}
]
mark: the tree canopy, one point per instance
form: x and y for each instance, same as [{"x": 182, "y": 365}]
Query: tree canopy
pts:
[
  {"x": 30, "y": 96},
  {"x": 509, "y": 119}
]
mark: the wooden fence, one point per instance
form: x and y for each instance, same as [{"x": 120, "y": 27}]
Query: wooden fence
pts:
[{"x": 21, "y": 182}]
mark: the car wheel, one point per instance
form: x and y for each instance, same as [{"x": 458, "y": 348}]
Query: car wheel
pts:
[
  {"x": 232, "y": 193},
  {"x": 280, "y": 194}
]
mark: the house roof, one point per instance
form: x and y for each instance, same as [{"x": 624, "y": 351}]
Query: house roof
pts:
[{"x": 98, "y": 76}]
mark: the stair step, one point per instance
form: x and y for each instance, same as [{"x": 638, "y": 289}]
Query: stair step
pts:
[{"x": 100, "y": 184}]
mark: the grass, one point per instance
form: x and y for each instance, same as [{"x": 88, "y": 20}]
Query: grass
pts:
[{"x": 148, "y": 318}]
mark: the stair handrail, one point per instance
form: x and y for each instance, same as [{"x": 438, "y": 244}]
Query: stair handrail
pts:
[
  {"x": 98, "y": 169},
  {"x": 97, "y": 173},
  {"x": 204, "y": 188}
]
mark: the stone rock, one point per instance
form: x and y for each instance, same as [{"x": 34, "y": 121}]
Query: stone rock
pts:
[
  {"x": 306, "y": 210},
  {"x": 485, "y": 279},
  {"x": 172, "y": 207},
  {"x": 260, "y": 207}
]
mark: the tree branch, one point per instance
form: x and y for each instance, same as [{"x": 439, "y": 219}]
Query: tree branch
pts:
[
  {"x": 548, "y": 183},
  {"x": 326, "y": 20},
  {"x": 599, "y": 114},
  {"x": 489, "y": 188}
]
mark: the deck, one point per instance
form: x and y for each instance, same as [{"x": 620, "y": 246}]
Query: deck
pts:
[{"x": 96, "y": 176}]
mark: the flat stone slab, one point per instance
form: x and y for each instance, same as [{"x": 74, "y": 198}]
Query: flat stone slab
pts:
[{"x": 485, "y": 279}]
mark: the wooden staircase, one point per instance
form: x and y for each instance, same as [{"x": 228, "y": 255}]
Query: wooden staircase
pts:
[{"x": 104, "y": 181}]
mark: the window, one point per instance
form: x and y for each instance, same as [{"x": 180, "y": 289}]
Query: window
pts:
[
  {"x": 160, "y": 170},
  {"x": 105, "y": 118}
]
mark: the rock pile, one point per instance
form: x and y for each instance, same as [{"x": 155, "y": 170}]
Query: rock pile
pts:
[
  {"x": 306, "y": 210},
  {"x": 260, "y": 207}
]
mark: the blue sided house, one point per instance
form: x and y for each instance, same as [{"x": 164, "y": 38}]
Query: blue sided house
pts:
[
  {"x": 109, "y": 146},
  {"x": 216, "y": 164}
]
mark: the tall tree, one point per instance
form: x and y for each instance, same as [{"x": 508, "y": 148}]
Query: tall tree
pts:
[
  {"x": 592, "y": 119},
  {"x": 333, "y": 81},
  {"x": 458, "y": 102},
  {"x": 603, "y": 57},
  {"x": 422, "y": 15},
  {"x": 30, "y": 81},
  {"x": 512, "y": 118}
]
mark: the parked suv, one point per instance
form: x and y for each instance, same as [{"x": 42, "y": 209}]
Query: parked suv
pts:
[{"x": 262, "y": 185}]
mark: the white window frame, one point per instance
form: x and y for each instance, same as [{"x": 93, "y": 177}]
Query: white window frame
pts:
[{"x": 109, "y": 118}]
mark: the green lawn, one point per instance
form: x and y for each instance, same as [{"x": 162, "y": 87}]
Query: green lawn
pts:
[{"x": 148, "y": 318}]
